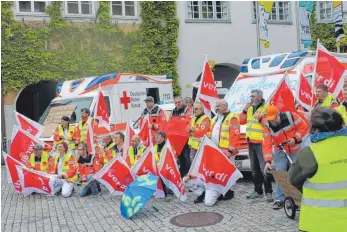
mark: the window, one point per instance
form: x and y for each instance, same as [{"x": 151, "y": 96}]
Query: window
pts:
[
  {"x": 208, "y": 10},
  {"x": 325, "y": 11},
  {"x": 82, "y": 8},
  {"x": 32, "y": 7},
  {"x": 124, "y": 8},
  {"x": 280, "y": 12}
]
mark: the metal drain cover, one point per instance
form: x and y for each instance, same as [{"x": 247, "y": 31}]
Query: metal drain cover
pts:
[{"x": 196, "y": 219}]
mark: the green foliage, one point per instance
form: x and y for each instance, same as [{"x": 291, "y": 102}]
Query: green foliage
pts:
[
  {"x": 65, "y": 51},
  {"x": 326, "y": 34}
]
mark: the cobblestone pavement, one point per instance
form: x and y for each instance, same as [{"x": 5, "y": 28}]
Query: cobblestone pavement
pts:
[{"x": 40, "y": 213}]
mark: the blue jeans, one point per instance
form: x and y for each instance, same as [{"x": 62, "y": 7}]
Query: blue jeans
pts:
[
  {"x": 91, "y": 187},
  {"x": 282, "y": 164}
]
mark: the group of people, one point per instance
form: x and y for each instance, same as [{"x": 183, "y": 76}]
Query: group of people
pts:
[{"x": 319, "y": 169}]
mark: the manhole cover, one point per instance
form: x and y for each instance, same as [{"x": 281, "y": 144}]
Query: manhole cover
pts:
[{"x": 197, "y": 219}]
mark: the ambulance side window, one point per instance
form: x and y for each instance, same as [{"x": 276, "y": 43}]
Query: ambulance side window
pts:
[{"x": 153, "y": 92}]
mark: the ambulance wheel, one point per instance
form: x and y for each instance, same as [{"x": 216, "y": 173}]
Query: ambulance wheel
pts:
[{"x": 290, "y": 207}]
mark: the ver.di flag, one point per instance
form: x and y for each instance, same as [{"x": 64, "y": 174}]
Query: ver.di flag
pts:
[
  {"x": 101, "y": 112},
  {"x": 211, "y": 166},
  {"x": 168, "y": 171},
  {"x": 22, "y": 144},
  {"x": 115, "y": 176},
  {"x": 147, "y": 165},
  {"x": 12, "y": 174},
  {"x": 35, "y": 181},
  {"x": 283, "y": 98},
  {"x": 304, "y": 93},
  {"x": 265, "y": 8},
  {"x": 28, "y": 125}
]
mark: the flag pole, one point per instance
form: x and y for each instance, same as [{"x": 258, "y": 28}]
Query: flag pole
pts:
[
  {"x": 202, "y": 75},
  {"x": 257, "y": 18},
  {"x": 298, "y": 25},
  {"x": 314, "y": 76}
]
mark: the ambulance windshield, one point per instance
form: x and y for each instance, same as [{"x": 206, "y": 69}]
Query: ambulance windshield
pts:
[{"x": 81, "y": 103}]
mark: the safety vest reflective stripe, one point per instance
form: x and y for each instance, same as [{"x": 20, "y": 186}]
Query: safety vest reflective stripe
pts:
[
  {"x": 43, "y": 163},
  {"x": 193, "y": 141},
  {"x": 267, "y": 156},
  {"x": 255, "y": 130},
  {"x": 224, "y": 132},
  {"x": 297, "y": 134},
  {"x": 324, "y": 203},
  {"x": 70, "y": 133},
  {"x": 267, "y": 134},
  {"x": 323, "y": 186}
]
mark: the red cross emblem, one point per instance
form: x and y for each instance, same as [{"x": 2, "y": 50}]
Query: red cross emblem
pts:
[{"x": 125, "y": 100}]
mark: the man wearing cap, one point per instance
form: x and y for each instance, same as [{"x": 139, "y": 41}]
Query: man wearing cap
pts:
[
  {"x": 38, "y": 159},
  {"x": 65, "y": 132},
  {"x": 283, "y": 133},
  {"x": 156, "y": 115}
]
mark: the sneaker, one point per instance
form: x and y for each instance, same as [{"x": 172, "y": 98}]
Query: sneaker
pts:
[
  {"x": 229, "y": 195},
  {"x": 278, "y": 204},
  {"x": 269, "y": 197},
  {"x": 95, "y": 195},
  {"x": 200, "y": 198},
  {"x": 255, "y": 195}
]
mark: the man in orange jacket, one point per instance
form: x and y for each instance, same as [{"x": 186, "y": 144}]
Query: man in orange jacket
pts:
[{"x": 284, "y": 130}]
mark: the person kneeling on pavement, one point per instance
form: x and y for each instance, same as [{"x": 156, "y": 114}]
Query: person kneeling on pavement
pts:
[
  {"x": 285, "y": 131},
  {"x": 64, "y": 165},
  {"x": 88, "y": 165}
]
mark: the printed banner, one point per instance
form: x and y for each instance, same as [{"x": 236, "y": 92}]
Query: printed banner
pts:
[
  {"x": 305, "y": 12},
  {"x": 339, "y": 33},
  {"x": 265, "y": 8}
]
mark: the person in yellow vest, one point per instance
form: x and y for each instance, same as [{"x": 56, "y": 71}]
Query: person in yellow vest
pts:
[
  {"x": 320, "y": 172},
  {"x": 342, "y": 109},
  {"x": 108, "y": 153},
  {"x": 64, "y": 166},
  {"x": 118, "y": 139},
  {"x": 160, "y": 141},
  {"x": 253, "y": 116},
  {"x": 38, "y": 159},
  {"x": 135, "y": 151},
  {"x": 324, "y": 98},
  {"x": 81, "y": 129},
  {"x": 199, "y": 126},
  {"x": 65, "y": 132}
]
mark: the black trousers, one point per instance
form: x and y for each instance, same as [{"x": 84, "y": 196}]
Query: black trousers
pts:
[{"x": 184, "y": 160}]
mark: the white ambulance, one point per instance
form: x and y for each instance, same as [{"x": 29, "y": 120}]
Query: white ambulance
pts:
[
  {"x": 265, "y": 73},
  {"x": 124, "y": 94}
]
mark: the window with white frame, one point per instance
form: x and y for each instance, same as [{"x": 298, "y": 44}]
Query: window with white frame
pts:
[
  {"x": 31, "y": 7},
  {"x": 280, "y": 11},
  {"x": 82, "y": 8},
  {"x": 208, "y": 10},
  {"x": 124, "y": 8},
  {"x": 325, "y": 12}
]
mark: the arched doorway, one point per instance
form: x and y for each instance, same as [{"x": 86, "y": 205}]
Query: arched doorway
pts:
[
  {"x": 224, "y": 72},
  {"x": 34, "y": 99}
]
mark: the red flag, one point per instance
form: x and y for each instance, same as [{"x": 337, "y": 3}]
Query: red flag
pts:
[
  {"x": 329, "y": 71},
  {"x": 214, "y": 168},
  {"x": 207, "y": 107},
  {"x": 22, "y": 144},
  {"x": 208, "y": 89},
  {"x": 168, "y": 171},
  {"x": 176, "y": 131},
  {"x": 101, "y": 111},
  {"x": 146, "y": 164},
  {"x": 116, "y": 176},
  {"x": 12, "y": 174},
  {"x": 35, "y": 181},
  {"x": 129, "y": 133},
  {"x": 144, "y": 132},
  {"x": 304, "y": 94},
  {"x": 90, "y": 139},
  {"x": 283, "y": 98},
  {"x": 28, "y": 125}
]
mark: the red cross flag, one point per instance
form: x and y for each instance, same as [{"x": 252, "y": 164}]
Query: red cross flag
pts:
[
  {"x": 212, "y": 167},
  {"x": 116, "y": 176},
  {"x": 35, "y": 181},
  {"x": 22, "y": 144},
  {"x": 145, "y": 165},
  {"x": 28, "y": 125},
  {"x": 12, "y": 175},
  {"x": 168, "y": 171},
  {"x": 101, "y": 113}
]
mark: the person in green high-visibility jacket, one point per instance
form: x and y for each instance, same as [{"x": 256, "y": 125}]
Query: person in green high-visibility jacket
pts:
[{"x": 320, "y": 172}]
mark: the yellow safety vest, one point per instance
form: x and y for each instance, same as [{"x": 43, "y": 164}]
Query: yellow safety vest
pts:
[
  {"x": 254, "y": 129},
  {"x": 70, "y": 134},
  {"x": 327, "y": 101},
  {"x": 343, "y": 112},
  {"x": 224, "y": 132},
  {"x": 193, "y": 141},
  {"x": 156, "y": 153},
  {"x": 132, "y": 157},
  {"x": 43, "y": 163},
  {"x": 324, "y": 200},
  {"x": 65, "y": 166},
  {"x": 84, "y": 128},
  {"x": 113, "y": 152}
]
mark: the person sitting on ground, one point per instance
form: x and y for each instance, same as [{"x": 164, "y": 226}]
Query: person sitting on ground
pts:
[
  {"x": 320, "y": 173},
  {"x": 109, "y": 153},
  {"x": 118, "y": 139},
  {"x": 38, "y": 159},
  {"x": 135, "y": 151}
]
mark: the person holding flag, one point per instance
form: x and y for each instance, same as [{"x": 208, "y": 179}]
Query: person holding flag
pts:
[
  {"x": 160, "y": 141},
  {"x": 324, "y": 98},
  {"x": 109, "y": 153},
  {"x": 64, "y": 165},
  {"x": 252, "y": 116},
  {"x": 342, "y": 109},
  {"x": 199, "y": 126},
  {"x": 65, "y": 132},
  {"x": 81, "y": 129},
  {"x": 283, "y": 133},
  {"x": 38, "y": 159},
  {"x": 136, "y": 150}
]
